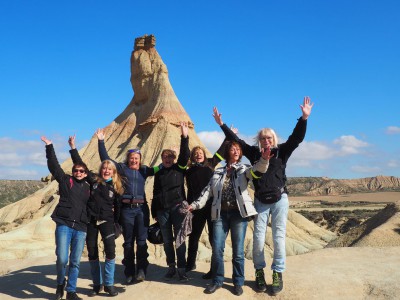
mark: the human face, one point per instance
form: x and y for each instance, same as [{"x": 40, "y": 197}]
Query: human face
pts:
[
  {"x": 106, "y": 171},
  {"x": 79, "y": 173},
  {"x": 167, "y": 160},
  {"x": 198, "y": 156},
  {"x": 234, "y": 154},
  {"x": 266, "y": 140},
  {"x": 134, "y": 161}
]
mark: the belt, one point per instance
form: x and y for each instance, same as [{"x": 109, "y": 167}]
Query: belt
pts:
[
  {"x": 132, "y": 205},
  {"x": 131, "y": 201}
]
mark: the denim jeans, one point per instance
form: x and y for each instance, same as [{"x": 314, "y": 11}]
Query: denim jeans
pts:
[
  {"x": 169, "y": 218},
  {"x": 279, "y": 213},
  {"x": 135, "y": 222},
  {"x": 68, "y": 238},
  {"x": 233, "y": 221}
]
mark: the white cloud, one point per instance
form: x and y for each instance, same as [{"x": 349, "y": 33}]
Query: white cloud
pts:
[
  {"x": 393, "y": 130},
  {"x": 393, "y": 163},
  {"x": 349, "y": 144},
  {"x": 366, "y": 169}
]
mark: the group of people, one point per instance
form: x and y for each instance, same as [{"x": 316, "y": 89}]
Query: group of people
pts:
[{"x": 92, "y": 203}]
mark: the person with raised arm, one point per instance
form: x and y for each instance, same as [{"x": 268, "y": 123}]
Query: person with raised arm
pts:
[
  {"x": 271, "y": 196},
  {"x": 134, "y": 212},
  {"x": 231, "y": 210},
  {"x": 71, "y": 220},
  {"x": 168, "y": 201},
  {"x": 103, "y": 211}
]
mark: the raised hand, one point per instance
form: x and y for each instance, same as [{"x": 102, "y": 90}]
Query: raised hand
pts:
[
  {"x": 217, "y": 116},
  {"x": 100, "y": 134},
  {"x": 71, "y": 141},
  {"x": 306, "y": 107},
  {"x": 45, "y": 140},
  {"x": 266, "y": 153},
  {"x": 184, "y": 129},
  {"x": 234, "y": 129}
]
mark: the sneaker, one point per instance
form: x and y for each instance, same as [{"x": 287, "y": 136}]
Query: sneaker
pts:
[
  {"x": 96, "y": 290},
  {"x": 170, "y": 273},
  {"x": 129, "y": 279},
  {"x": 261, "y": 285},
  {"x": 111, "y": 290},
  {"x": 277, "y": 282},
  {"x": 72, "y": 296},
  {"x": 182, "y": 275},
  {"x": 140, "y": 276},
  {"x": 60, "y": 290},
  {"x": 238, "y": 290}
]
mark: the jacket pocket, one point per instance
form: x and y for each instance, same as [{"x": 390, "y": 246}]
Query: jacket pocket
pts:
[{"x": 63, "y": 210}]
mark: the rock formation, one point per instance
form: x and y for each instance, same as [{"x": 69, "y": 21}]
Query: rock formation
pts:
[{"x": 149, "y": 122}]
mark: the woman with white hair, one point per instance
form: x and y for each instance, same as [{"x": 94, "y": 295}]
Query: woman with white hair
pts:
[{"x": 271, "y": 194}]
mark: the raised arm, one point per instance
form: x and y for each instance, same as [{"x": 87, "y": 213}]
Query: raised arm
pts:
[
  {"x": 52, "y": 162},
  {"x": 231, "y": 135},
  {"x": 184, "y": 152},
  {"x": 101, "y": 146},
  {"x": 76, "y": 158}
]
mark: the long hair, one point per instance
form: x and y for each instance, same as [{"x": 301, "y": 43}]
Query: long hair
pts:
[
  {"x": 192, "y": 159},
  {"x": 266, "y": 131},
  {"x": 228, "y": 147},
  {"x": 116, "y": 178}
]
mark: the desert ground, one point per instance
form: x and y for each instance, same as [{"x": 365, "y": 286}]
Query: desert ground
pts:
[{"x": 367, "y": 272}]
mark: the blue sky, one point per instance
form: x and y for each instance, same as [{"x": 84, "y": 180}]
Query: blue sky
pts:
[{"x": 64, "y": 69}]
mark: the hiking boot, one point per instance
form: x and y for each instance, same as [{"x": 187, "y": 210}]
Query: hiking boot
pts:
[
  {"x": 277, "y": 283},
  {"x": 96, "y": 290},
  {"x": 72, "y": 296},
  {"x": 60, "y": 290},
  {"x": 182, "y": 275},
  {"x": 261, "y": 285},
  {"x": 170, "y": 273},
  {"x": 238, "y": 290},
  {"x": 140, "y": 276},
  {"x": 111, "y": 290}
]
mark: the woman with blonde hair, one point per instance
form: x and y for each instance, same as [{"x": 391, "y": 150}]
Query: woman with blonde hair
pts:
[{"x": 103, "y": 211}]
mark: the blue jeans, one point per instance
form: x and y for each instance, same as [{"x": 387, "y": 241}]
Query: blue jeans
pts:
[
  {"x": 233, "y": 221},
  {"x": 135, "y": 222},
  {"x": 169, "y": 218},
  {"x": 68, "y": 238},
  {"x": 279, "y": 213}
]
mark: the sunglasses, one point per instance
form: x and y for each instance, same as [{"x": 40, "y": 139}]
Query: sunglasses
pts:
[
  {"x": 134, "y": 151},
  {"x": 79, "y": 170}
]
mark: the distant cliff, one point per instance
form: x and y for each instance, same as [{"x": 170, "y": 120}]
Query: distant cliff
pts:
[
  {"x": 314, "y": 186},
  {"x": 14, "y": 190}
]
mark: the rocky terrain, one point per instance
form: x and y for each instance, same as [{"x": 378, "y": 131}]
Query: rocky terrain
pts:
[
  {"x": 361, "y": 264},
  {"x": 14, "y": 190}
]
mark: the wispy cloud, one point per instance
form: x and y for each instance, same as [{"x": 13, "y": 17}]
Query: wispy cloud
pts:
[
  {"x": 392, "y": 130},
  {"x": 349, "y": 144}
]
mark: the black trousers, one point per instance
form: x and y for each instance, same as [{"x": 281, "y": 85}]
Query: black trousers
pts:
[
  {"x": 106, "y": 230},
  {"x": 200, "y": 218}
]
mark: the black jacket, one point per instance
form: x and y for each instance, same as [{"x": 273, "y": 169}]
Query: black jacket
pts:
[
  {"x": 103, "y": 203},
  {"x": 169, "y": 182},
  {"x": 74, "y": 195},
  {"x": 281, "y": 153},
  {"x": 198, "y": 175}
]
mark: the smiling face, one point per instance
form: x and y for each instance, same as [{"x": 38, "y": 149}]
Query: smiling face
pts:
[
  {"x": 107, "y": 170},
  {"x": 267, "y": 138},
  {"x": 198, "y": 155},
  {"x": 235, "y": 154},
  {"x": 168, "y": 158},
  {"x": 134, "y": 161},
  {"x": 79, "y": 172}
]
